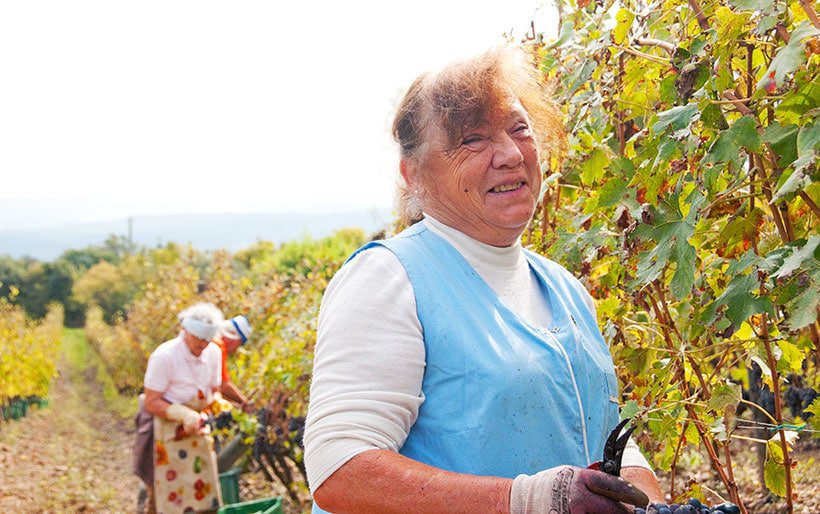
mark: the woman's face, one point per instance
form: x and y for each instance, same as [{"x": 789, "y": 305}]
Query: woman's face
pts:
[
  {"x": 487, "y": 186},
  {"x": 195, "y": 344}
]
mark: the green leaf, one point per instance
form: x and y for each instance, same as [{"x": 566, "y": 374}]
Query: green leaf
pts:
[
  {"x": 727, "y": 147},
  {"x": 623, "y": 20},
  {"x": 593, "y": 169},
  {"x": 797, "y": 257},
  {"x": 671, "y": 232},
  {"x": 752, "y": 5},
  {"x": 566, "y": 34},
  {"x": 630, "y": 409},
  {"x": 669, "y": 148},
  {"x": 808, "y": 140},
  {"x": 789, "y": 57},
  {"x": 712, "y": 117},
  {"x": 783, "y": 141},
  {"x": 802, "y": 309},
  {"x": 730, "y": 25},
  {"x": 794, "y": 181},
  {"x": 612, "y": 192},
  {"x": 676, "y": 117},
  {"x": 802, "y": 99},
  {"x": 792, "y": 357},
  {"x": 741, "y": 300},
  {"x": 773, "y": 471},
  {"x": 668, "y": 91},
  {"x": 683, "y": 255},
  {"x": 725, "y": 395},
  {"x": 621, "y": 166}
]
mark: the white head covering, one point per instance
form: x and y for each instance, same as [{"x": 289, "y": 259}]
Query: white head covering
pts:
[
  {"x": 237, "y": 327},
  {"x": 201, "y": 320}
]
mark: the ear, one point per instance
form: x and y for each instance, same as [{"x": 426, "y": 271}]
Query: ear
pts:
[{"x": 408, "y": 170}]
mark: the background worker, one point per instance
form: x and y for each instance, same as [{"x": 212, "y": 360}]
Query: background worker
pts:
[
  {"x": 182, "y": 380},
  {"x": 233, "y": 333}
]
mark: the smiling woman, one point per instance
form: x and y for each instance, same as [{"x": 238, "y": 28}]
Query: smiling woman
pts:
[
  {"x": 459, "y": 117},
  {"x": 455, "y": 371}
]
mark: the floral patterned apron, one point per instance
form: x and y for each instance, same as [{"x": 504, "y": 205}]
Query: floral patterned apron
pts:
[{"x": 186, "y": 478}]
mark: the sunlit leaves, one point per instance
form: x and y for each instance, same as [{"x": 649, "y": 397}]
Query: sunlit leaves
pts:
[
  {"x": 725, "y": 397},
  {"x": 789, "y": 57},
  {"x": 28, "y": 351},
  {"x": 677, "y": 236},
  {"x": 671, "y": 232},
  {"x": 773, "y": 470},
  {"x": 624, "y": 20}
]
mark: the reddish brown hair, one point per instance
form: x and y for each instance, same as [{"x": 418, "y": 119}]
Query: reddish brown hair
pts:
[{"x": 466, "y": 94}]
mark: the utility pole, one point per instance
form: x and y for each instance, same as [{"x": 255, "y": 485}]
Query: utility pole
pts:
[{"x": 130, "y": 235}]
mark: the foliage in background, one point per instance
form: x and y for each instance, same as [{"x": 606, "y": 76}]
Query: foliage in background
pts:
[
  {"x": 40, "y": 283},
  {"x": 28, "y": 351},
  {"x": 687, "y": 203},
  {"x": 277, "y": 288}
]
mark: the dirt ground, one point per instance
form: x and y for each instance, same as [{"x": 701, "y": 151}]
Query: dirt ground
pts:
[
  {"x": 75, "y": 456},
  {"x": 72, "y": 456},
  {"x": 746, "y": 471}
]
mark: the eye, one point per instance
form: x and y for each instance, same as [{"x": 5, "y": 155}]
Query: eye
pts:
[
  {"x": 521, "y": 127},
  {"x": 471, "y": 140}
]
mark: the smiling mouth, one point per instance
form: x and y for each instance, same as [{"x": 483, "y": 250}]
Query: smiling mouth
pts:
[{"x": 507, "y": 187}]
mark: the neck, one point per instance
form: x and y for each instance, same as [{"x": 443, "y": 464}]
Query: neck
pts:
[{"x": 495, "y": 236}]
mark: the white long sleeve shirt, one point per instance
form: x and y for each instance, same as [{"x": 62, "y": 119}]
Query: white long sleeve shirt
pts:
[{"x": 370, "y": 356}]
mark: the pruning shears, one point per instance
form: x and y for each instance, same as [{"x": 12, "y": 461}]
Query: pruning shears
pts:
[{"x": 614, "y": 450}]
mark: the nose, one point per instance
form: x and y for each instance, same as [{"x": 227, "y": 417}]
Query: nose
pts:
[{"x": 506, "y": 153}]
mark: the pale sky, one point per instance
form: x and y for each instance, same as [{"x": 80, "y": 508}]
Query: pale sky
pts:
[{"x": 111, "y": 109}]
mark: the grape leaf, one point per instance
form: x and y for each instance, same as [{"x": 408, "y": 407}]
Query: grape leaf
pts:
[
  {"x": 793, "y": 261},
  {"x": 802, "y": 309},
  {"x": 783, "y": 141},
  {"x": 725, "y": 395},
  {"x": 612, "y": 192},
  {"x": 727, "y": 147},
  {"x": 630, "y": 409},
  {"x": 792, "y": 357},
  {"x": 789, "y": 57},
  {"x": 741, "y": 300},
  {"x": 676, "y": 117},
  {"x": 624, "y": 20},
  {"x": 593, "y": 169},
  {"x": 671, "y": 231},
  {"x": 773, "y": 471}
]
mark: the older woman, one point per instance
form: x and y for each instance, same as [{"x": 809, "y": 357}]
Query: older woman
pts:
[
  {"x": 454, "y": 371},
  {"x": 182, "y": 380}
]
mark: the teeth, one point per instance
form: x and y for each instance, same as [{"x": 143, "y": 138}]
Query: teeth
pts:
[{"x": 508, "y": 187}]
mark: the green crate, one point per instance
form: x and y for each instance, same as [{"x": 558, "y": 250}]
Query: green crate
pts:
[
  {"x": 262, "y": 506},
  {"x": 229, "y": 483}
]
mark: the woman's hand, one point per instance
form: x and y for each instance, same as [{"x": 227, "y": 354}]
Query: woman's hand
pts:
[
  {"x": 571, "y": 490},
  {"x": 191, "y": 420}
]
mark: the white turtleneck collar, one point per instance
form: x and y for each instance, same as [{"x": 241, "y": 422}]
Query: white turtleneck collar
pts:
[{"x": 478, "y": 254}]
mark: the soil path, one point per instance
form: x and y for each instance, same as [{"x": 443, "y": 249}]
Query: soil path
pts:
[{"x": 75, "y": 454}]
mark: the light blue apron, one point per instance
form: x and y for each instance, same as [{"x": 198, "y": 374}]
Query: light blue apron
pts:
[{"x": 503, "y": 396}]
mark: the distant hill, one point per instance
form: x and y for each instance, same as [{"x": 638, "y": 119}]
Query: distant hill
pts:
[{"x": 203, "y": 231}]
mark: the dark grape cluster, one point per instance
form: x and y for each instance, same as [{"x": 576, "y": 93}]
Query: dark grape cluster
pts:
[{"x": 693, "y": 506}]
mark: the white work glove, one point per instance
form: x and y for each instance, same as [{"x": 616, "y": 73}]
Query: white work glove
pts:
[
  {"x": 191, "y": 420},
  {"x": 573, "y": 490}
]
